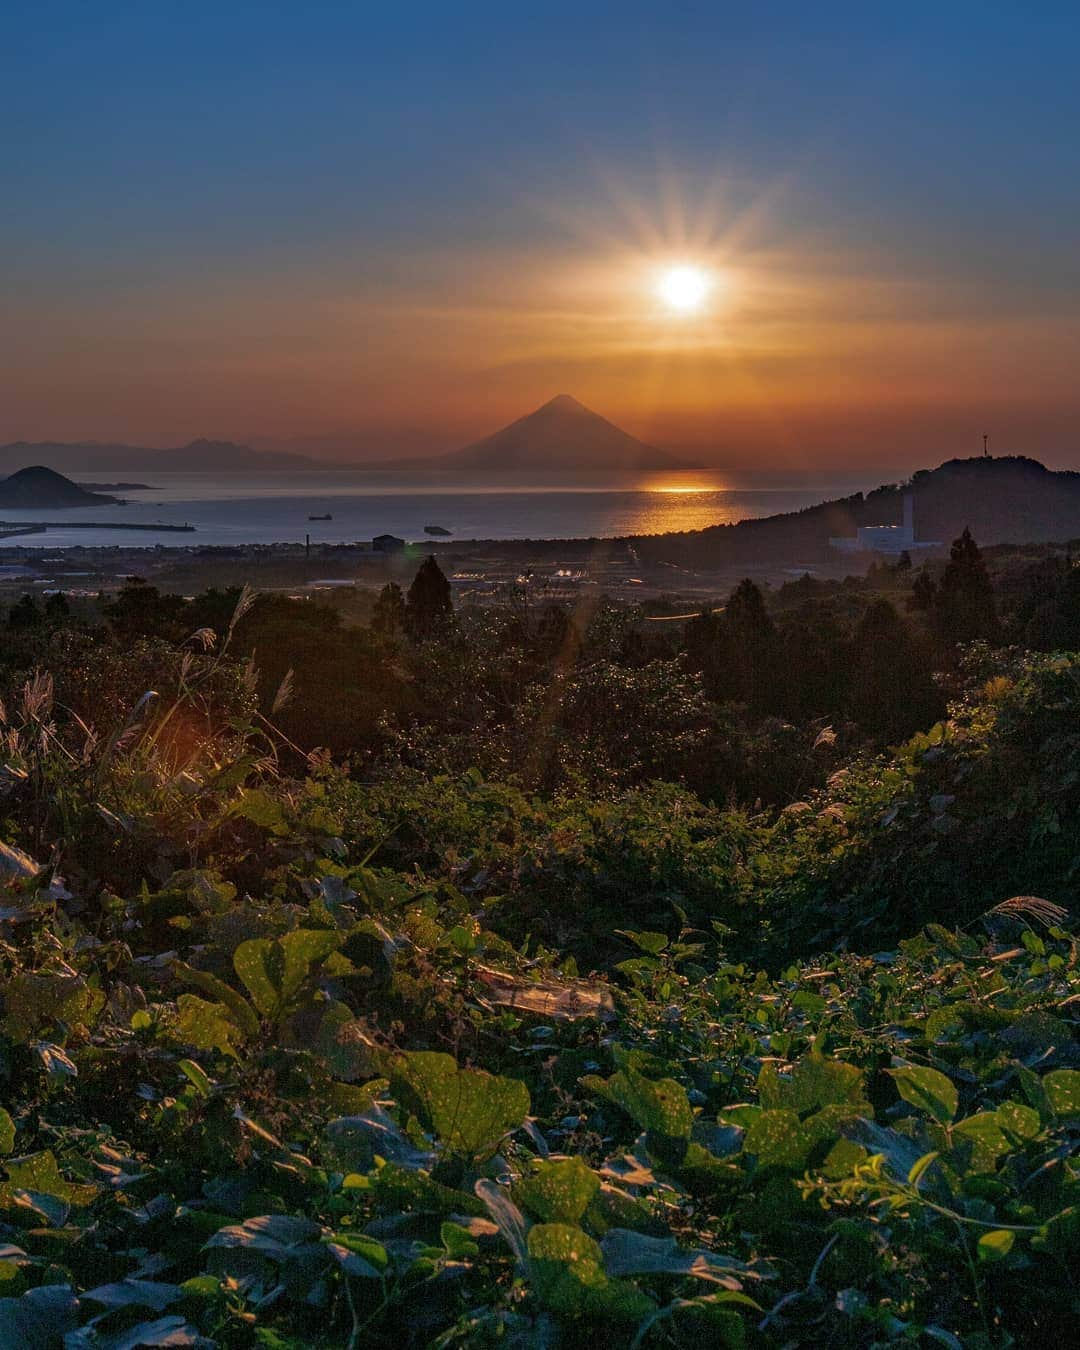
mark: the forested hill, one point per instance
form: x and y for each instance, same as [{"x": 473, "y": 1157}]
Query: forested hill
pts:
[{"x": 1004, "y": 500}]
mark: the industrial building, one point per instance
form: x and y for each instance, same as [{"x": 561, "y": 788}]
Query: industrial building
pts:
[{"x": 889, "y": 539}]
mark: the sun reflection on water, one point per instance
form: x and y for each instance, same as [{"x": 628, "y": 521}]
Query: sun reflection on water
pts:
[{"x": 679, "y": 502}]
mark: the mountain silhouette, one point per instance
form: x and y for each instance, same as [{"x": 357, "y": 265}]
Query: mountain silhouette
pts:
[
  {"x": 40, "y": 489},
  {"x": 201, "y": 456},
  {"x": 563, "y": 434}
]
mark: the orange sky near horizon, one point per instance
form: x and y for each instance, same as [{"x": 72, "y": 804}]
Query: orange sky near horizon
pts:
[{"x": 801, "y": 360}]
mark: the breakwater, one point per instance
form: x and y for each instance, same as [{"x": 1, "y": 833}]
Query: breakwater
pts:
[{"x": 9, "y": 528}]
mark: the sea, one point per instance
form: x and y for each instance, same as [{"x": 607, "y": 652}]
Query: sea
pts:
[{"x": 277, "y": 507}]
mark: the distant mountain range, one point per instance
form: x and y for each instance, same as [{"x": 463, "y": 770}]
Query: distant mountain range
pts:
[
  {"x": 37, "y": 488},
  {"x": 200, "y": 456},
  {"x": 561, "y": 435}
]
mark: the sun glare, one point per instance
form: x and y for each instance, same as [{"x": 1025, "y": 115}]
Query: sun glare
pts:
[{"x": 684, "y": 288}]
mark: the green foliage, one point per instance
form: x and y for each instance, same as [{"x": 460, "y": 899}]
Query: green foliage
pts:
[
  {"x": 206, "y": 1026},
  {"x": 559, "y": 1191},
  {"x": 567, "y": 1273},
  {"x": 659, "y": 1105},
  {"x": 299, "y": 1059},
  {"x": 275, "y": 970},
  {"x": 468, "y": 1110},
  {"x": 813, "y": 1083},
  {"x": 929, "y": 1090}
]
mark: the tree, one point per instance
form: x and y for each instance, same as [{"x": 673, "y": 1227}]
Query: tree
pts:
[
  {"x": 388, "y": 617},
  {"x": 812, "y": 664},
  {"x": 963, "y": 609},
  {"x": 553, "y": 632},
  {"x": 752, "y": 645},
  {"x": 1047, "y": 616},
  {"x": 140, "y": 610},
  {"x": 24, "y": 614},
  {"x": 605, "y": 726},
  {"x": 923, "y": 592},
  {"x": 428, "y": 605},
  {"x": 891, "y": 692},
  {"x": 57, "y": 608},
  {"x": 706, "y": 651}
]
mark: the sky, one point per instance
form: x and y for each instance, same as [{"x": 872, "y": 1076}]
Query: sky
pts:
[{"x": 376, "y": 230}]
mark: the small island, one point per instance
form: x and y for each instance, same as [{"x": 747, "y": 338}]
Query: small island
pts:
[{"x": 38, "y": 488}]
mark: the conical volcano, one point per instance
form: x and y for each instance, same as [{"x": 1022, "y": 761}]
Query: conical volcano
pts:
[{"x": 562, "y": 434}]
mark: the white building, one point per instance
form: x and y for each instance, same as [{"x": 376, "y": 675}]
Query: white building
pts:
[{"x": 890, "y": 539}]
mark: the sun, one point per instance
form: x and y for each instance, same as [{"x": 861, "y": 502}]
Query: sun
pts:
[{"x": 684, "y": 288}]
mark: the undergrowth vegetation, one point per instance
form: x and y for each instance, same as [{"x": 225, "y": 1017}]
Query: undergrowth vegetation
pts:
[{"x": 293, "y": 1060}]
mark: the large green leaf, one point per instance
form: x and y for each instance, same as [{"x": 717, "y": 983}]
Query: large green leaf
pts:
[
  {"x": 262, "y": 810},
  {"x": 995, "y": 1245},
  {"x": 812, "y": 1083},
  {"x": 275, "y": 1235},
  {"x": 329, "y": 1029},
  {"x": 827, "y": 1124},
  {"x": 566, "y": 1269},
  {"x": 509, "y": 1220},
  {"x": 34, "y": 1001},
  {"x": 279, "y": 1248},
  {"x": 929, "y": 1090},
  {"x": 240, "y": 1010},
  {"x": 354, "y": 1142},
  {"x": 778, "y": 1139},
  {"x": 631, "y": 1253},
  {"x": 989, "y": 1140},
  {"x": 702, "y": 1172},
  {"x": 558, "y": 1191},
  {"x": 207, "y": 1026},
  {"x": 274, "y": 969},
  {"x": 135, "y": 1293},
  {"x": 39, "y": 1319},
  {"x": 468, "y": 1110},
  {"x": 171, "y": 1331},
  {"x": 1018, "y": 1120},
  {"x": 703, "y": 1319},
  {"x": 38, "y": 1172},
  {"x": 399, "y": 1188},
  {"x": 1062, "y": 1088},
  {"x": 658, "y": 1104}
]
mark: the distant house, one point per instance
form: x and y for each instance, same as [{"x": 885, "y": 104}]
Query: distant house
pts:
[{"x": 387, "y": 543}]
